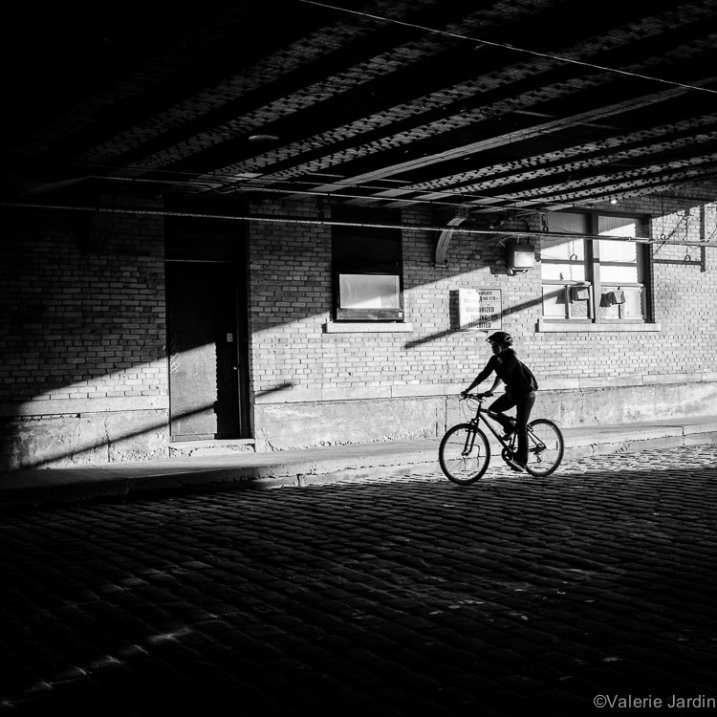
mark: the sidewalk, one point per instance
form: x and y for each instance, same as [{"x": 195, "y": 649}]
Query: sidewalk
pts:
[{"x": 299, "y": 468}]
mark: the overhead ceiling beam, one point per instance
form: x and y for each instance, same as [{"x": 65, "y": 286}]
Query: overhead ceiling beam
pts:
[
  {"x": 501, "y": 140},
  {"x": 687, "y": 135},
  {"x": 449, "y": 69},
  {"x": 643, "y": 159},
  {"x": 555, "y": 197}
]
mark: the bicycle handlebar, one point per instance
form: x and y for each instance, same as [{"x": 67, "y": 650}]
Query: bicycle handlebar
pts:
[{"x": 477, "y": 396}]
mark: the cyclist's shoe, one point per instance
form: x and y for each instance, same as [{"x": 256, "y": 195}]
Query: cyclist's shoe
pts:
[
  {"x": 515, "y": 465},
  {"x": 508, "y": 431}
]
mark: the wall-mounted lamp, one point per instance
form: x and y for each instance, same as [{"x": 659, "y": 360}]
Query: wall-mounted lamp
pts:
[{"x": 520, "y": 256}]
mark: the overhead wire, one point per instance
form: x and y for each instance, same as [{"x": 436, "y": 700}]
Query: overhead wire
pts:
[
  {"x": 490, "y": 233},
  {"x": 509, "y": 47}
]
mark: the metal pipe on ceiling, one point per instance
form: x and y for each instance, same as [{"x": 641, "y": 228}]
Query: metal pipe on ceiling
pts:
[{"x": 492, "y": 233}]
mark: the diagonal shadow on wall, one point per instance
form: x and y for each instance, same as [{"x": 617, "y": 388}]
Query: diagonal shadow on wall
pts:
[
  {"x": 88, "y": 448},
  {"x": 455, "y": 324}
]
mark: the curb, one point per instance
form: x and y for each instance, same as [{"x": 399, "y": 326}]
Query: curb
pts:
[{"x": 271, "y": 471}]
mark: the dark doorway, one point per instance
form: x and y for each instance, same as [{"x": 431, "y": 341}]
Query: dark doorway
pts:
[{"x": 205, "y": 366}]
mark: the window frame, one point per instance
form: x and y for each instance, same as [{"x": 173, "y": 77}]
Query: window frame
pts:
[
  {"x": 363, "y": 263},
  {"x": 595, "y": 284},
  {"x": 347, "y": 313}
]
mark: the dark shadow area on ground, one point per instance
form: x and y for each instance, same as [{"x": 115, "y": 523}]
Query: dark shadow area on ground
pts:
[{"x": 512, "y": 596}]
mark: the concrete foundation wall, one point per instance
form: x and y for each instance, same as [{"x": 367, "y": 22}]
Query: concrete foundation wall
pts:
[
  {"x": 310, "y": 423},
  {"x": 629, "y": 404},
  {"x": 65, "y": 440},
  {"x": 300, "y": 425}
]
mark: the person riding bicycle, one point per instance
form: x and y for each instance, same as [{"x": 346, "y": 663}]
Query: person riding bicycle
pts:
[{"x": 520, "y": 388}]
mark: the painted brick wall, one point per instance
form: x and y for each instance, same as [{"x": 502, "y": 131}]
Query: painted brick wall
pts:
[{"x": 82, "y": 335}]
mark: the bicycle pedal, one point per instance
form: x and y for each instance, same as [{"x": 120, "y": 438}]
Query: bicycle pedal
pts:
[{"x": 514, "y": 465}]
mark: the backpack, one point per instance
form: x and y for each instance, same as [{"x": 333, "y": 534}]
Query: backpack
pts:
[{"x": 529, "y": 375}]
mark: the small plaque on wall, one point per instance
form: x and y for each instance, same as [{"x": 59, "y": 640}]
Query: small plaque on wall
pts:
[{"x": 480, "y": 309}]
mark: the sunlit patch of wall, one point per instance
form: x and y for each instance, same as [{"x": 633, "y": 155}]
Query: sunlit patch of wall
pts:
[
  {"x": 381, "y": 385},
  {"x": 84, "y": 376}
]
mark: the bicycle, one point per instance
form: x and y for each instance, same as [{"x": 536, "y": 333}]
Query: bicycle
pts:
[{"x": 464, "y": 452}]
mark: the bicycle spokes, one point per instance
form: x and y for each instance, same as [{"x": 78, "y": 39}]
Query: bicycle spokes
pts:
[
  {"x": 545, "y": 447},
  {"x": 538, "y": 446},
  {"x": 464, "y": 454}
]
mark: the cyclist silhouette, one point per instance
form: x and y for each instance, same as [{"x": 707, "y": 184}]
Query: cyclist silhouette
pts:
[{"x": 520, "y": 388}]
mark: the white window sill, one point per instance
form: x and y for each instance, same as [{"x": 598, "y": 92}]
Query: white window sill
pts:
[
  {"x": 556, "y": 327},
  {"x": 363, "y": 327}
]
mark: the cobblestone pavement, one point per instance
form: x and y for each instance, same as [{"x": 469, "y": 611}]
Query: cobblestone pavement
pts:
[{"x": 409, "y": 596}]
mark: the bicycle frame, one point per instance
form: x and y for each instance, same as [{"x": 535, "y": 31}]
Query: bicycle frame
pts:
[
  {"x": 482, "y": 416},
  {"x": 464, "y": 452}
]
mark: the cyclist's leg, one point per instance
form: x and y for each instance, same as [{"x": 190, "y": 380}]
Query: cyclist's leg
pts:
[
  {"x": 499, "y": 406},
  {"x": 524, "y": 405}
]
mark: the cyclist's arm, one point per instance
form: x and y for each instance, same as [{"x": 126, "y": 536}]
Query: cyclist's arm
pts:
[
  {"x": 498, "y": 381},
  {"x": 482, "y": 376}
]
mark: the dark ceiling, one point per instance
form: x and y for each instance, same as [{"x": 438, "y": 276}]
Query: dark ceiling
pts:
[{"x": 516, "y": 104}]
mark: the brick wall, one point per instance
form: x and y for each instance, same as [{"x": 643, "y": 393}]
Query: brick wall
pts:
[
  {"x": 83, "y": 373},
  {"x": 315, "y": 387}
]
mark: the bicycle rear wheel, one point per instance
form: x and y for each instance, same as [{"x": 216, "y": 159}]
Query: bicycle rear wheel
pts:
[
  {"x": 464, "y": 454},
  {"x": 545, "y": 447}
]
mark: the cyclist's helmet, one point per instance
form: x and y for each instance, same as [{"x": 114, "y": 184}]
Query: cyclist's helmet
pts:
[{"x": 502, "y": 338}]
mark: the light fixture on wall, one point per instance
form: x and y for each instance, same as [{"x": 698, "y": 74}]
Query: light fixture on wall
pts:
[{"x": 520, "y": 256}]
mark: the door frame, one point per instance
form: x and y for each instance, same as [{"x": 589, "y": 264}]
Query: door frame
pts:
[{"x": 241, "y": 355}]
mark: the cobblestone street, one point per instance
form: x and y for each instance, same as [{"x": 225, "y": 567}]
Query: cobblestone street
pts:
[{"x": 406, "y": 596}]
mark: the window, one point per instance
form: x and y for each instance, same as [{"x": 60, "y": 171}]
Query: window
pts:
[
  {"x": 594, "y": 280},
  {"x": 367, "y": 267}
]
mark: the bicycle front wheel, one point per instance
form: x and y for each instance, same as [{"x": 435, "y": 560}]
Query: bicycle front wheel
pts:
[
  {"x": 545, "y": 447},
  {"x": 464, "y": 454}
]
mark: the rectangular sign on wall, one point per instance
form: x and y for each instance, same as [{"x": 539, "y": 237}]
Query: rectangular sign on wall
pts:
[{"x": 480, "y": 309}]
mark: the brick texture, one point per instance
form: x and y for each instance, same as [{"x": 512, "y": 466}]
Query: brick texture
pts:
[
  {"x": 82, "y": 323},
  {"x": 83, "y": 327},
  {"x": 291, "y": 301}
]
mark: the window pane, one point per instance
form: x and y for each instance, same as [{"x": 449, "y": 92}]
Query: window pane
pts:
[
  {"x": 370, "y": 253},
  {"x": 633, "y": 303},
  {"x": 367, "y": 249},
  {"x": 618, "y": 274},
  {"x": 609, "y": 312},
  {"x": 369, "y": 291},
  {"x": 617, "y": 226},
  {"x": 632, "y": 308},
  {"x": 554, "y": 302},
  {"x": 563, "y": 249},
  {"x": 625, "y": 251},
  {"x": 567, "y": 272},
  {"x": 567, "y": 222}
]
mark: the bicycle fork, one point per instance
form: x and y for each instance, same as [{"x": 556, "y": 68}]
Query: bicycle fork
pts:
[{"x": 470, "y": 442}]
